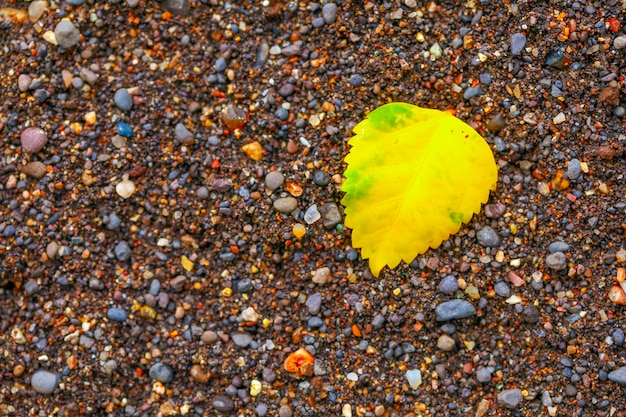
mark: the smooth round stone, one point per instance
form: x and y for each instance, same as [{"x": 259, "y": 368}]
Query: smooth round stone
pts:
[
  {"x": 318, "y": 22},
  {"x": 502, "y": 289},
  {"x": 209, "y": 337},
  {"x": 182, "y": 133},
  {"x": 124, "y": 130},
  {"x": 125, "y": 188},
  {"x": 66, "y": 34},
  {"x": 117, "y": 314},
  {"x": 356, "y": 80},
  {"x": 518, "y": 41},
  {"x": 35, "y": 169},
  {"x": 494, "y": 211},
  {"x": 220, "y": 65},
  {"x": 223, "y": 404},
  {"x": 123, "y": 99},
  {"x": 161, "y": 372},
  {"x": 274, "y": 180},
  {"x": 454, "y": 309},
  {"x": 315, "y": 322},
  {"x": 510, "y": 398},
  {"x": 36, "y": 9},
  {"x": 414, "y": 378},
  {"x": 286, "y": 90},
  {"x": 321, "y": 178},
  {"x": 488, "y": 237},
  {"x": 44, "y": 382},
  {"x": 33, "y": 139},
  {"x": 496, "y": 123},
  {"x": 132, "y": 3},
  {"x": 241, "y": 339},
  {"x": 448, "y": 284},
  {"x": 445, "y": 343},
  {"x": 530, "y": 314},
  {"x": 556, "y": 261},
  {"x": 620, "y": 42},
  {"x": 286, "y": 204},
  {"x": 314, "y": 303},
  {"x": 23, "y": 82},
  {"x": 329, "y": 13},
  {"x": 558, "y": 247},
  {"x": 282, "y": 114},
  {"x": 122, "y": 251},
  {"x": 618, "y": 337},
  {"x": 285, "y": 411},
  {"x": 573, "y": 169},
  {"x": 261, "y": 409},
  {"x": 483, "y": 375}
]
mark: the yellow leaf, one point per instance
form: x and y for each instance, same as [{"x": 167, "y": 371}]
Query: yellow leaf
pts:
[{"x": 414, "y": 175}]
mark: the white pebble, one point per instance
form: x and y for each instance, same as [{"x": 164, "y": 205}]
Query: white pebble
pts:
[
  {"x": 125, "y": 188},
  {"x": 414, "y": 376}
]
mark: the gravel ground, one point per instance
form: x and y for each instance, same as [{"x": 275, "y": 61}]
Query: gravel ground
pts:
[{"x": 171, "y": 232}]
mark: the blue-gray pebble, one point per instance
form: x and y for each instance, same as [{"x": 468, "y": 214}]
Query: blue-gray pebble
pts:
[
  {"x": 488, "y": 237},
  {"x": 518, "y": 41},
  {"x": 573, "y": 169},
  {"x": 44, "y": 381},
  {"x": 329, "y": 13},
  {"x": 161, "y": 372},
  {"x": 448, "y": 284},
  {"x": 618, "y": 375},
  {"x": 558, "y": 247},
  {"x": 454, "y": 309},
  {"x": 314, "y": 303},
  {"x": 117, "y": 314},
  {"x": 220, "y": 64},
  {"x": 123, "y": 100},
  {"x": 556, "y": 261},
  {"x": 356, "y": 80},
  {"x": 502, "y": 289},
  {"x": 122, "y": 251}
]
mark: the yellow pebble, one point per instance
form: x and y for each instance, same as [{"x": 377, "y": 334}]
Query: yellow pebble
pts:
[
  {"x": 90, "y": 118},
  {"x": 255, "y": 387},
  {"x": 254, "y": 150},
  {"x": 186, "y": 263},
  {"x": 227, "y": 292},
  {"x": 147, "y": 312},
  {"x": 298, "y": 230}
]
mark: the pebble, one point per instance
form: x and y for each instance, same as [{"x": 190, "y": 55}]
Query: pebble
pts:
[
  {"x": 223, "y": 404},
  {"x": 35, "y": 170},
  {"x": 318, "y": 22},
  {"x": 496, "y": 123},
  {"x": 125, "y": 188},
  {"x": 518, "y": 42},
  {"x": 322, "y": 275},
  {"x": 36, "y": 9},
  {"x": 448, "y": 284},
  {"x": 67, "y": 35},
  {"x": 117, "y": 314},
  {"x": 312, "y": 214},
  {"x": 414, "y": 377},
  {"x": 356, "y": 80},
  {"x": 573, "y": 169},
  {"x": 123, "y": 99},
  {"x": 260, "y": 409},
  {"x": 161, "y": 372},
  {"x": 285, "y": 411},
  {"x": 285, "y": 204},
  {"x": 209, "y": 337},
  {"x": 488, "y": 237},
  {"x": 495, "y": 211},
  {"x": 122, "y": 251},
  {"x": 274, "y": 180},
  {"x": 618, "y": 337},
  {"x": 618, "y": 375},
  {"x": 502, "y": 289},
  {"x": 530, "y": 314},
  {"x": 44, "y": 382},
  {"x": 286, "y": 90},
  {"x": 454, "y": 309},
  {"x": 282, "y": 114},
  {"x": 619, "y": 42},
  {"x": 123, "y": 129},
  {"x": 473, "y": 92},
  {"x": 241, "y": 339},
  {"x": 329, "y": 13},
  {"x": 556, "y": 261},
  {"x": 558, "y": 247},
  {"x": 23, "y": 82},
  {"x": 75, "y": 2},
  {"x": 314, "y": 303},
  {"x": 445, "y": 343},
  {"x": 291, "y": 50},
  {"x": 510, "y": 398},
  {"x": 483, "y": 375},
  {"x": 33, "y": 139},
  {"x": 331, "y": 216},
  {"x": 321, "y": 178},
  {"x": 220, "y": 65}
]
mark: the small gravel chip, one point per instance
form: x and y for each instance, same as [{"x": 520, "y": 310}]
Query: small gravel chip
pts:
[
  {"x": 312, "y": 214},
  {"x": 356, "y": 80},
  {"x": 314, "y": 303},
  {"x": 488, "y": 237},
  {"x": 573, "y": 169},
  {"x": 31, "y": 287},
  {"x": 618, "y": 375},
  {"x": 282, "y": 114},
  {"x": 473, "y": 92},
  {"x": 223, "y": 404},
  {"x": 285, "y": 411},
  {"x": 241, "y": 339},
  {"x": 496, "y": 123},
  {"x": 454, "y": 309},
  {"x": 161, "y": 372},
  {"x": 291, "y": 50},
  {"x": 510, "y": 398},
  {"x": 23, "y": 82},
  {"x": 558, "y": 247},
  {"x": 329, "y": 13},
  {"x": 448, "y": 284},
  {"x": 518, "y": 42},
  {"x": 178, "y": 283},
  {"x": 122, "y": 251},
  {"x": 445, "y": 343},
  {"x": 502, "y": 289},
  {"x": 209, "y": 337},
  {"x": 123, "y": 100},
  {"x": 274, "y": 180},
  {"x": 330, "y": 215},
  {"x": 117, "y": 314},
  {"x": 414, "y": 377},
  {"x": 66, "y": 34},
  {"x": 483, "y": 375},
  {"x": 556, "y": 261},
  {"x": 322, "y": 276},
  {"x": 285, "y": 204},
  {"x": 44, "y": 382}
]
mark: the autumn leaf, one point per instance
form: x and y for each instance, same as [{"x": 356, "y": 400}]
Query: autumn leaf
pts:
[{"x": 414, "y": 175}]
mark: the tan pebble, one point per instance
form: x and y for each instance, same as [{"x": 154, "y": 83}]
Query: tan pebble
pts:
[
  {"x": 18, "y": 370},
  {"x": 616, "y": 295},
  {"x": 50, "y": 37},
  {"x": 35, "y": 169},
  {"x": 125, "y": 188},
  {"x": 322, "y": 276},
  {"x": 90, "y": 118},
  {"x": 250, "y": 315},
  {"x": 11, "y": 182},
  {"x": 67, "y": 78},
  {"x": 51, "y": 250},
  {"x": 36, "y": 9},
  {"x": 72, "y": 362},
  {"x": 198, "y": 374}
]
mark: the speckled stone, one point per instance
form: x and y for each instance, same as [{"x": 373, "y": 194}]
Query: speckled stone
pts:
[
  {"x": 44, "y": 381},
  {"x": 454, "y": 309},
  {"x": 33, "y": 139},
  {"x": 510, "y": 398},
  {"x": 67, "y": 35}
]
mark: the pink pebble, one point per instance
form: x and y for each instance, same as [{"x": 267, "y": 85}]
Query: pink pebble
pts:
[{"x": 33, "y": 139}]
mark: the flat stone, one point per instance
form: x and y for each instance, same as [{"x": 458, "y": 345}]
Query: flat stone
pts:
[
  {"x": 619, "y": 42},
  {"x": 117, "y": 314},
  {"x": 454, "y": 309},
  {"x": 123, "y": 99},
  {"x": 329, "y": 13},
  {"x": 285, "y": 204},
  {"x": 488, "y": 237},
  {"x": 44, "y": 382},
  {"x": 445, "y": 343},
  {"x": 241, "y": 339},
  {"x": 122, "y": 251},
  {"x": 483, "y": 375},
  {"x": 35, "y": 169},
  {"x": 495, "y": 211},
  {"x": 33, "y": 139},
  {"x": 510, "y": 398},
  {"x": 314, "y": 303},
  {"x": 618, "y": 375},
  {"x": 448, "y": 284},
  {"x": 558, "y": 247},
  {"x": 223, "y": 404},
  {"x": 161, "y": 372},
  {"x": 574, "y": 169}
]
